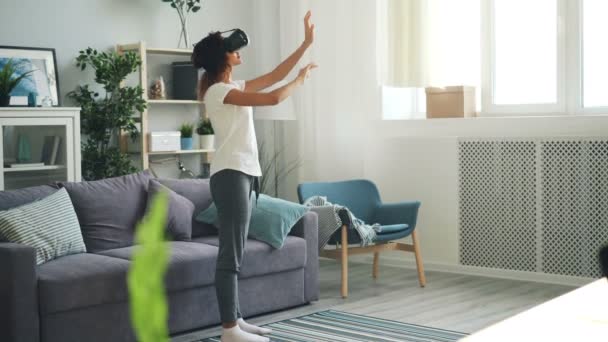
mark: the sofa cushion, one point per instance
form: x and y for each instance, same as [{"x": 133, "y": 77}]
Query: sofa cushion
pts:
[
  {"x": 81, "y": 280},
  {"x": 14, "y": 198},
  {"x": 109, "y": 209},
  {"x": 191, "y": 264},
  {"x": 271, "y": 219},
  {"x": 181, "y": 209},
  {"x": 49, "y": 225},
  {"x": 260, "y": 258},
  {"x": 197, "y": 191}
]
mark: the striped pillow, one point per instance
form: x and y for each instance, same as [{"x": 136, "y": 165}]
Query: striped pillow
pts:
[{"x": 50, "y": 225}]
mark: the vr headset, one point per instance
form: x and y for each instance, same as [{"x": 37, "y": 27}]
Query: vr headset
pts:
[{"x": 236, "y": 40}]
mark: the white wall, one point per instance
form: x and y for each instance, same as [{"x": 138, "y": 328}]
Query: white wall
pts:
[{"x": 71, "y": 25}]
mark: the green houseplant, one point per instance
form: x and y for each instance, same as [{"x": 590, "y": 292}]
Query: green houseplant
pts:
[
  {"x": 104, "y": 116},
  {"x": 206, "y": 134},
  {"x": 147, "y": 295},
  {"x": 273, "y": 173},
  {"x": 8, "y": 80},
  {"x": 187, "y": 129}
]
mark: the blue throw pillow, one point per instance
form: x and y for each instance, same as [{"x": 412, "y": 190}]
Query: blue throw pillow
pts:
[{"x": 271, "y": 219}]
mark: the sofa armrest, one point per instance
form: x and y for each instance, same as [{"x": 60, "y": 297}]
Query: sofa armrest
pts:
[
  {"x": 19, "y": 318},
  {"x": 397, "y": 213},
  {"x": 308, "y": 229}
]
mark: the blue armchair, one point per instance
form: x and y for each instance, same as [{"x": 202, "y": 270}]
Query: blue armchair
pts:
[{"x": 398, "y": 220}]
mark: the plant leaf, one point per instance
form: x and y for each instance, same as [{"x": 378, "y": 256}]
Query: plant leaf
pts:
[{"x": 147, "y": 297}]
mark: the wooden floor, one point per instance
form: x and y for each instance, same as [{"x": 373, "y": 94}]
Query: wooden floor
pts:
[{"x": 450, "y": 301}]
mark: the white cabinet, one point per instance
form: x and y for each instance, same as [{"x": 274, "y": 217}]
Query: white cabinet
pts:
[{"x": 39, "y": 146}]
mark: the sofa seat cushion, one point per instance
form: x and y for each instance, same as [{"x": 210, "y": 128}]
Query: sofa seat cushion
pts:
[
  {"x": 191, "y": 265},
  {"x": 81, "y": 280},
  {"x": 260, "y": 258}
]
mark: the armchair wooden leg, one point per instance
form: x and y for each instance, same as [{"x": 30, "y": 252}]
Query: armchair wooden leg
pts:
[
  {"x": 344, "y": 289},
  {"x": 419, "y": 266},
  {"x": 375, "y": 269}
]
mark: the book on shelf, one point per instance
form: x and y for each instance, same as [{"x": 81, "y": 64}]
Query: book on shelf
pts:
[{"x": 51, "y": 150}]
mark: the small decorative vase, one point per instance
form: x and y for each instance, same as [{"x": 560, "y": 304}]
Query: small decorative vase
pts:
[
  {"x": 207, "y": 141},
  {"x": 31, "y": 99},
  {"x": 186, "y": 143},
  {"x": 5, "y": 100},
  {"x": 184, "y": 36}
]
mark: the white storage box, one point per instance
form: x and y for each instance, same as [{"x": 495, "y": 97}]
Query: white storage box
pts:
[
  {"x": 450, "y": 102},
  {"x": 165, "y": 141}
]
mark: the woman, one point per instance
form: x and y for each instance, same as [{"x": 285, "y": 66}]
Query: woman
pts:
[{"x": 235, "y": 168}]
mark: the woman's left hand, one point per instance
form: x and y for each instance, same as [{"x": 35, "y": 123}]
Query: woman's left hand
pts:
[{"x": 309, "y": 30}]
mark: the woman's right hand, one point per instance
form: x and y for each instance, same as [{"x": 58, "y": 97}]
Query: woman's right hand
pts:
[{"x": 305, "y": 72}]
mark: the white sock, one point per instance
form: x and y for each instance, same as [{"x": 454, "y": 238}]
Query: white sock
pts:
[
  {"x": 252, "y": 329},
  {"x": 235, "y": 334}
]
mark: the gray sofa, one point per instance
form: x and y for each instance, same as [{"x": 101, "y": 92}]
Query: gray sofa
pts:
[{"x": 83, "y": 297}]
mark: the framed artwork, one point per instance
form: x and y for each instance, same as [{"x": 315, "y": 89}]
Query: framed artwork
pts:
[{"x": 42, "y": 82}]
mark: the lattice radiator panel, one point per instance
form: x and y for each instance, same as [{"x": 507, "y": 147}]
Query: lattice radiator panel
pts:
[{"x": 538, "y": 205}]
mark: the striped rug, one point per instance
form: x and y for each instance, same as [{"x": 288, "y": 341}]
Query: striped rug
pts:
[{"x": 337, "y": 326}]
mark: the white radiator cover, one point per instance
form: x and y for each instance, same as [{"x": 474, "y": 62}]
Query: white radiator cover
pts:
[{"x": 533, "y": 204}]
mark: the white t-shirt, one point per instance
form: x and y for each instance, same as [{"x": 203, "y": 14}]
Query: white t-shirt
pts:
[{"x": 236, "y": 145}]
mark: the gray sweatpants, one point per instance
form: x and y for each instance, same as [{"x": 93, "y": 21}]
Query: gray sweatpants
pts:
[{"x": 231, "y": 193}]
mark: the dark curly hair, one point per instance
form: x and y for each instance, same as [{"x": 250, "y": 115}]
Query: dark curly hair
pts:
[{"x": 210, "y": 55}]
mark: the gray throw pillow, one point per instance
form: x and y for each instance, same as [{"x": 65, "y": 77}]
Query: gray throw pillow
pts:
[
  {"x": 109, "y": 209},
  {"x": 49, "y": 225},
  {"x": 14, "y": 198},
  {"x": 179, "y": 215},
  {"x": 199, "y": 193}
]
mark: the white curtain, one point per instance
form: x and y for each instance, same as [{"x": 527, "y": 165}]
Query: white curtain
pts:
[
  {"x": 429, "y": 42},
  {"x": 336, "y": 102},
  {"x": 356, "y": 53}
]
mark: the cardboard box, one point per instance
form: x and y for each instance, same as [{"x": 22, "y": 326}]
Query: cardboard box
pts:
[{"x": 450, "y": 102}]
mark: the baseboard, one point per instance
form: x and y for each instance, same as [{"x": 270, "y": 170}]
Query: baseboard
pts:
[{"x": 394, "y": 261}]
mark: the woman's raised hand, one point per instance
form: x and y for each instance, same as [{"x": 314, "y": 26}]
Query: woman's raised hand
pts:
[
  {"x": 309, "y": 30},
  {"x": 305, "y": 72}
]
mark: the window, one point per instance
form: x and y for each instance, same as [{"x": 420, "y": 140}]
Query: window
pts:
[
  {"x": 525, "y": 52},
  {"x": 428, "y": 43},
  {"x": 530, "y": 56},
  {"x": 595, "y": 53},
  {"x": 403, "y": 103}
]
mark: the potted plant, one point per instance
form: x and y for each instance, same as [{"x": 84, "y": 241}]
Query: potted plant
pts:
[
  {"x": 106, "y": 113},
  {"x": 186, "y": 129},
  {"x": 206, "y": 134},
  {"x": 8, "y": 83}
]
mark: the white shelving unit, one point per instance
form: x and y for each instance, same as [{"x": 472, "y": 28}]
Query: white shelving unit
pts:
[
  {"x": 144, "y": 52},
  {"x": 180, "y": 152},
  {"x": 182, "y": 102},
  {"x": 32, "y": 125},
  {"x": 33, "y": 169}
]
